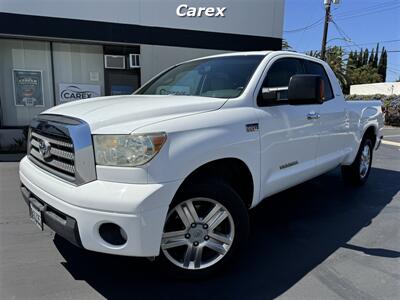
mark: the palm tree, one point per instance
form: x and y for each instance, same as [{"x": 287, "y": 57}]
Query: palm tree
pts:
[
  {"x": 334, "y": 56},
  {"x": 285, "y": 45}
]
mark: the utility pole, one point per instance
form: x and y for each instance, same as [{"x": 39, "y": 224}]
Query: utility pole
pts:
[
  {"x": 328, "y": 17},
  {"x": 327, "y": 4}
]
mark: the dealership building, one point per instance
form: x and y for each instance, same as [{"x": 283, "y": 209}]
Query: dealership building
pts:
[{"x": 53, "y": 52}]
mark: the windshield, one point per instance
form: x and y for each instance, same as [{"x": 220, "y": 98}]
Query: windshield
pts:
[{"x": 218, "y": 77}]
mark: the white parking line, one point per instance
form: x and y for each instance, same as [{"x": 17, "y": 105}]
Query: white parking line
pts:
[
  {"x": 393, "y": 135},
  {"x": 391, "y": 143}
]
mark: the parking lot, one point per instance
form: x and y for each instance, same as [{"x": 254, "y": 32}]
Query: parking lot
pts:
[{"x": 319, "y": 240}]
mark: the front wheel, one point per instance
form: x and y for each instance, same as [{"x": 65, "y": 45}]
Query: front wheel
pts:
[
  {"x": 204, "y": 228},
  {"x": 357, "y": 173}
]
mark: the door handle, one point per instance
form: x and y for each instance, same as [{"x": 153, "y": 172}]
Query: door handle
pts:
[{"x": 312, "y": 115}]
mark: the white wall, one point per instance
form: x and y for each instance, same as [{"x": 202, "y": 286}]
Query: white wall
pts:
[
  {"x": 251, "y": 17},
  {"x": 385, "y": 88},
  {"x": 155, "y": 59}
]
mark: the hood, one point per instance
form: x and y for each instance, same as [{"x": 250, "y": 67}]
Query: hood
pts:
[{"x": 124, "y": 114}]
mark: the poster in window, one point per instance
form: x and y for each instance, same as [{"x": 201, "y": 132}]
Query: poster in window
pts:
[{"x": 28, "y": 87}]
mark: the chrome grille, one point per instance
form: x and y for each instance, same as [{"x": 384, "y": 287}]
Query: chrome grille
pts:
[
  {"x": 61, "y": 153},
  {"x": 63, "y": 147},
  {"x": 53, "y": 141}
]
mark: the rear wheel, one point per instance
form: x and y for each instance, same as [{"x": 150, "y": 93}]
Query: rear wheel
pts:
[
  {"x": 357, "y": 173},
  {"x": 204, "y": 228}
]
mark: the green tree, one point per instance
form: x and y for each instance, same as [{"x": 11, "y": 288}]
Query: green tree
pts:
[
  {"x": 365, "y": 57},
  {"x": 285, "y": 45},
  {"x": 382, "y": 66},
  {"x": 335, "y": 59},
  {"x": 360, "y": 58},
  {"x": 375, "y": 61},
  {"x": 350, "y": 62},
  {"x": 364, "y": 74},
  {"x": 355, "y": 57},
  {"x": 371, "y": 58}
]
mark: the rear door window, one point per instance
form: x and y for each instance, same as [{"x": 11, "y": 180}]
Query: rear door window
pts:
[{"x": 317, "y": 69}]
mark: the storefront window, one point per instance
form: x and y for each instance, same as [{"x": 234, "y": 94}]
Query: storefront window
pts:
[
  {"x": 36, "y": 75},
  {"x": 26, "y": 86},
  {"x": 78, "y": 71},
  {"x": 26, "y": 89}
]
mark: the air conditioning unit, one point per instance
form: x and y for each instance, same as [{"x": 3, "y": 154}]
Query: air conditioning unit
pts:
[
  {"x": 134, "y": 61},
  {"x": 114, "y": 61}
]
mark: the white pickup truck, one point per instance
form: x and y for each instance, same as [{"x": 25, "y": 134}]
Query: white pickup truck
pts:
[{"x": 173, "y": 169}]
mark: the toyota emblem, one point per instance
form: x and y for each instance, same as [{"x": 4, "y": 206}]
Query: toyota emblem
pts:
[{"x": 45, "y": 148}]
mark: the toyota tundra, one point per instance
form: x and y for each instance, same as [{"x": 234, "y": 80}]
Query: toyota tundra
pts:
[{"x": 172, "y": 170}]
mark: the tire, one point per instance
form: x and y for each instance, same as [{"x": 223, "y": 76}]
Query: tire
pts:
[
  {"x": 201, "y": 247},
  {"x": 357, "y": 173}
]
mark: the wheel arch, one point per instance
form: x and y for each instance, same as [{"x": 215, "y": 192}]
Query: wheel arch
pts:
[
  {"x": 371, "y": 132},
  {"x": 232, "y": 170}
]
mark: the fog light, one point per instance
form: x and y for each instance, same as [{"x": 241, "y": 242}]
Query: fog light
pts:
[{"x": 113, "y": 234}]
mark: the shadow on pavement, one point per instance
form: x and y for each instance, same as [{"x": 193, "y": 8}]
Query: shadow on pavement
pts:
[
  {"x": 374, "y": 251},
  {"x": 292, "y": 233}
]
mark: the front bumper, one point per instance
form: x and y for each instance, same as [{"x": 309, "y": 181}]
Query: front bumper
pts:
[
  {"x": 59, "y": 222},
  {"x": 139, "y": 209}
]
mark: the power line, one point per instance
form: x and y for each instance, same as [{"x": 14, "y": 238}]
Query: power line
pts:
[
  {"x": 383, "y": 5},
  {"x": 397, "y": 70},
  {"x": 344, "y": 35},
  {"x": 362, "y": 14},
  {"x": 394, "y": 72},
  {"x": 368, "y": 9},
  {"x": 347, "y": 38},
  {"x": 371, "y": 7},
  {"x": 377, "y": 8},
  {"x": 371, "y": 43},
  {"x": 317, "y": 22}
]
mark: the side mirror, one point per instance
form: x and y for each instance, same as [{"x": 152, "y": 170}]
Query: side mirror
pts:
[
  {"x": 306, "y": 89},
  {"x": 268, "y": 95}
]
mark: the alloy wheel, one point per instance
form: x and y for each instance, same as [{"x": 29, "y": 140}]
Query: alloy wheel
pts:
[
  {"x": 198, "y": 233},
  {"x": 365, "y": 161}
]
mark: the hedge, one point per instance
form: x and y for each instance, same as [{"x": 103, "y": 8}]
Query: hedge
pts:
[{"x": 391, "y": 106}]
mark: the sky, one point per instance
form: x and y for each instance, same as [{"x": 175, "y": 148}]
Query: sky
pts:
[{"x": 363, "y": 22}]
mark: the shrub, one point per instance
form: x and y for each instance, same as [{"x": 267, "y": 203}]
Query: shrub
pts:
[{"x": 391, "y": 106}]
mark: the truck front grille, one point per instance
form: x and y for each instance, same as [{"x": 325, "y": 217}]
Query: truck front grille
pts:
[
  {"x": 63, "y": 147},
  {"x": 61, "y": 157}
]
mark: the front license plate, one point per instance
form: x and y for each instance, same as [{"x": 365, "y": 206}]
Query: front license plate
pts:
[{"x": 36, "y": 216}]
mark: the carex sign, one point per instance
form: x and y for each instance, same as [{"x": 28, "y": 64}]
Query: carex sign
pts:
[
  {"x": 185, "y": 10},
  {"x": 70, "y": 92}
]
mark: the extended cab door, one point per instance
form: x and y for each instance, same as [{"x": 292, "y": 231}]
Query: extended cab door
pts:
[
  {"x": 332, "y": 122},
  {"x": 289, "y": 133}
]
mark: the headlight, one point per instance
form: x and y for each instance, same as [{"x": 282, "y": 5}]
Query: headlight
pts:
[{"x": 127, "y": 150}]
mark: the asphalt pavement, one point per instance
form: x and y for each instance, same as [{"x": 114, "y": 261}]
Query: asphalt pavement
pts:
[{"x": 319, "y": 240}]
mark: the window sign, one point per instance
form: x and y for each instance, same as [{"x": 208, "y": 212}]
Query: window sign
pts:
[
  {"x": 28, "y": 87},
  {"x": 173, "y": 90},
  {"x": 76, "y": 91},
  {"x": 117, "y": 89}
]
